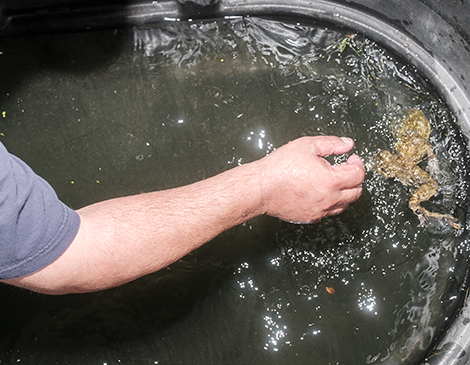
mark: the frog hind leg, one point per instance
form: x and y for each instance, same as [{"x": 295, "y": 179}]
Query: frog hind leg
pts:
[{"x": 424, "y": 193}]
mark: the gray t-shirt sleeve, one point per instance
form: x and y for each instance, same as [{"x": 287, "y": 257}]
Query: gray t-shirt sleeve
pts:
[{"x": 35, "y": 226}]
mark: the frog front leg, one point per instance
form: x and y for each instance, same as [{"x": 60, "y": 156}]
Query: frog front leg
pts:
[{"x": 386, "y": 164}]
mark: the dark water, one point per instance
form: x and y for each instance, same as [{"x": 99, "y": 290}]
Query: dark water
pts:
[{"x": 112, "y": 113}]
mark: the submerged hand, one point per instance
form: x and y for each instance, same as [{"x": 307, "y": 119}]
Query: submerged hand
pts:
[{"x": 299, "y": 185}]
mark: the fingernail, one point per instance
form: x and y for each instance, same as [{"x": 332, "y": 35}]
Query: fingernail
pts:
[{"x": 346, "y": 140}]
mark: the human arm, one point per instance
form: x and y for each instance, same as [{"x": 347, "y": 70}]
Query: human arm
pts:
[{"x": 122, "y": 239}]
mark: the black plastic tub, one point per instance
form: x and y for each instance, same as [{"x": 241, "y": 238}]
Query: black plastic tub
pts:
[{"x": 432, "y": 35}]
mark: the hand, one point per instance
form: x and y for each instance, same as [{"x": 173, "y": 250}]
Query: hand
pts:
[{"x": 299, "y": 185}]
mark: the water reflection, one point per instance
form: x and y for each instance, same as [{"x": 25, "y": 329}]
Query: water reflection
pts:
[{"x": 367, "y": 300}]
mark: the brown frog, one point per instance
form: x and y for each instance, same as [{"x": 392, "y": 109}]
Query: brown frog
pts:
[{"x": 412, "y": 145}]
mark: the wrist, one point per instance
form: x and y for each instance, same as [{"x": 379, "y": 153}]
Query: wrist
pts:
[{"x": 252, "y": 200}]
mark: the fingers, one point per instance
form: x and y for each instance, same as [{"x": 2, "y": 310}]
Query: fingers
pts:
[
  {"x": 350, "y": 174},
  {"x": 347, "y": 197},
  {"x": 355, "y": 160},
  {"x": 331, "y": 145},
  {"x": 350, "y": 195}
]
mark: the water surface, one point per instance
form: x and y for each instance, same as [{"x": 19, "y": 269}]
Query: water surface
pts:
[{"x": 112, "y": 113}]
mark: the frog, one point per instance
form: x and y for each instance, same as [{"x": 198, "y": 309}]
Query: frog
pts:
[{"x": 412, "y": 146}]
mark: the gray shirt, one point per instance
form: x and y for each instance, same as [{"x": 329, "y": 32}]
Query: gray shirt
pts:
[{"x": 35, "y": 226}]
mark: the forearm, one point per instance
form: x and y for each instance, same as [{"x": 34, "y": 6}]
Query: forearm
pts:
[{"x": 125, "y": 238}]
